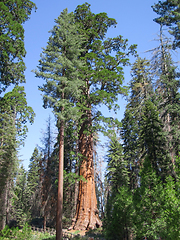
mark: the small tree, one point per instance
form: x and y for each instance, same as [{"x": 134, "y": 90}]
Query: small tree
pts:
[{"x": 34, "y": 184}]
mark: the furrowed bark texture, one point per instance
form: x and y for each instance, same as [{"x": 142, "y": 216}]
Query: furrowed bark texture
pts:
[{"x": 86, "y": 212}]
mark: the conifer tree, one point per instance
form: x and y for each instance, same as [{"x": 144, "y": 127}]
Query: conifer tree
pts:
[
  {"x": 60, "y": 68},
  {"x": 117, "y": 172},
  {"x": 167, "y": 84},
  {"x": 20, "y": 200},
  {"x": 12, "y": 15},
  {"x": 133, "y": 144},
  {"x": 118, "y": 213},
  {"x": 148, "y": 201},
  {"x": 154, "y": 139},
  {"x": 102, "y": 77},
  {"x": 169, "y": 15},
  {"x": 34, "y": 184},
  {"x": 14, "y": 114}
]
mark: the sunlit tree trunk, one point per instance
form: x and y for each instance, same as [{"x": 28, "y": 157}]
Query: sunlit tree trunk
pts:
[{"x": 86, "y": 211}]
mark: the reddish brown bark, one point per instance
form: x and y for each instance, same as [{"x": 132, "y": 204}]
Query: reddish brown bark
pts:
[
  {"x": 60, "y": 185},
  {"x": 86, "y": 212}
]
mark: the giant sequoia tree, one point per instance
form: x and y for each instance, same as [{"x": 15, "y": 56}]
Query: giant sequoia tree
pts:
[
  {"x": 102, "y": 84},
  {"x": 71, "y": 86}
]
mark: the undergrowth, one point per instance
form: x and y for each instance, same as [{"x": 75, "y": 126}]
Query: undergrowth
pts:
[
  {"x": 23, "y": 234},
  {"x": 27, "y": 234}
]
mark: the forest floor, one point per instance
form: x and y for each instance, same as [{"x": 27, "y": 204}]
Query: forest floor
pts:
[{"x": 89, "y": 235}]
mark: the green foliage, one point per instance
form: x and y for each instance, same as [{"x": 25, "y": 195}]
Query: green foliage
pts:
[
  {"x": 150, "y": 147},
  {"x": 103, "y": 73},
  {"x": 59, "y": 67},
  {"x": 148, "y": 202},
  {"x": 156, "y": 205},
  {"x": 155, "y": 143},
  {"x": 21, "y": 198},
  {"x": 133, "y": 142},
  {"x": 119, "y": 212},
  {"x": 14, "y": 114},
  {"x": 12, "y": 15},
  {"x": 169, "y": 15},
  {"x": 8, "y": 153},
  {"x": 171, "y": 209},
  {"x": 16, "y": 233},
  {"x": 23, "y": 234},
  {"x": 14, "y": 104},
  {"x": 34, "y": 170},
  {"x": 34, "y": 184},
  {"x": 117, "y": 222},
  {"x": 117, "y": 173}
]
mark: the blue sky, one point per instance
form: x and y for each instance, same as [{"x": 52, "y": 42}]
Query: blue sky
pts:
[{"x": 135, "y": 22}]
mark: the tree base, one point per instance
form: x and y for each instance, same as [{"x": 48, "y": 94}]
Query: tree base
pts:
[{"x": 83, "y": 224}]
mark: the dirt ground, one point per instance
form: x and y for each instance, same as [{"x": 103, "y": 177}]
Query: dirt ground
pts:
[{"x": 82, "y": 233}]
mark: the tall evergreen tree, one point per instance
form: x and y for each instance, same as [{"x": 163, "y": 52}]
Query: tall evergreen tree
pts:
[
  {"x": 59, "y": 67},
  {"x": 102, "y": 78},
  {"x": 12, "y": 16},
  {"x": 154, "y": 140},
  {"x": 167, "y": 84},
  {"x": 118, "y": 213},
  {"x": 133, "y": 144},
  {"x": 14, "y": 114}
]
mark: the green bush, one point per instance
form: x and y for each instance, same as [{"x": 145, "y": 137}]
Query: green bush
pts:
[
  {"x": 15, "y": 233},
  {"x": 23, "y": 234}
]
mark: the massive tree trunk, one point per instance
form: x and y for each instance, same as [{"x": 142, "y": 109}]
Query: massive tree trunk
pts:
[{"x": 86, "y": 212}]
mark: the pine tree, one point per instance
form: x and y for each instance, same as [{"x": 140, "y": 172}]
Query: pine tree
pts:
[
  {"x": 167, "y": 84},
  {"x": 117, "y": 222},
  {"x": 156, "y": 205},
  {"x": 14, "y": 114},
  {"x": 154, "y": 139},
  {"x": 34, "y": 184},
  {"x": 148, "y": 201},
  {"x": 59, "y": 67},
  {"x": 117, "y": 172},
  {"x": 133, "y": 144},
  {"x": 14, "y": 111}
]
